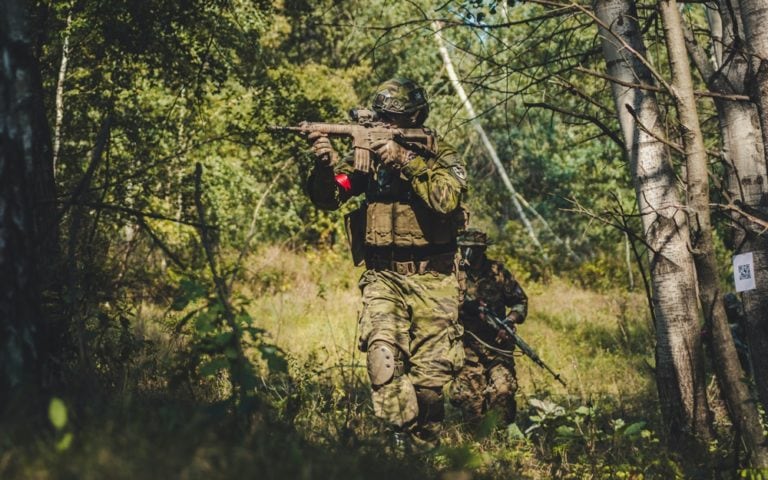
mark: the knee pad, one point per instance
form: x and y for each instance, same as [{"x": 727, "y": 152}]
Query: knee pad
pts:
[{"x": 385, "y": 362}]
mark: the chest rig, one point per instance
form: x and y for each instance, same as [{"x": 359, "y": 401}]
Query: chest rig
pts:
[{"x": 395, "y": 216}]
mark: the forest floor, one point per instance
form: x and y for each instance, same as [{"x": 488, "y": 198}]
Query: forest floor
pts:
[{"x": 316, "y": 422}]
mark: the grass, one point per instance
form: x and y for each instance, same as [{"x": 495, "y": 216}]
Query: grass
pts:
[{"x": 316, "y": 422}]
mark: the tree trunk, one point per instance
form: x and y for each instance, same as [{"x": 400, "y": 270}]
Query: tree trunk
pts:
[
  {"x": 716, "y": 32},
  {"x": 60, "y": 93},
  {"x": 748, "y": 185},
  {"x": 437, "y": 27},
  {"x": 742, "y": 408},
  {"x": 679, "y": 364},
  {"x": 745, "y": 175},
  {"x": 754, "y": 16},
  {"x": 28, "y": 233}
]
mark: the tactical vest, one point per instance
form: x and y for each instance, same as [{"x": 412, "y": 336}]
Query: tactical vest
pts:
[{"x": 396, "y": 217}]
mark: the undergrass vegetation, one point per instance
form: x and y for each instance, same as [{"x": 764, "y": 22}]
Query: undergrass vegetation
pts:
[{"x": 310, "y": 417}]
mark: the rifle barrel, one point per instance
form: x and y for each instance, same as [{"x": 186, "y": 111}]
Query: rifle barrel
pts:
[{"x": 280, "y": 128}]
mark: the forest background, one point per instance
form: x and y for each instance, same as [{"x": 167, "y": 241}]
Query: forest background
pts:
[{"x": 175, "y": 307}]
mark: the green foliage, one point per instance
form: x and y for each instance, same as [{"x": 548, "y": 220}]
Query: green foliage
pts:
[
  {"x": 460, "y": 457},
  {"x": 174, "y": 84},
  {"x": 57, "y": 413},
  {"x": 574, "y": 436},
  {"x": 220, "y": 341},
  {"x": 753, "y": 473},
  {"x": 313, "y": 418}
]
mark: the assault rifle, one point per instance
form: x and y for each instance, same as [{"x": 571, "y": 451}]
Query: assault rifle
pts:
[
  {"x": 499, "y": 324},
  {"x": 367, "y": 131}
]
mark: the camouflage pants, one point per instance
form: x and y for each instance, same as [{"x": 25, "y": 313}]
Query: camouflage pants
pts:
[
  {"x": 487, "y": 382},
  {"x": 417, "y": 314}
]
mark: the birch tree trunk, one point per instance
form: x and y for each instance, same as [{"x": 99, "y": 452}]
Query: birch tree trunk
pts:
[
  {"x": 742, "y": 151},
  {"x": 28, "y": 236},
  {"x": 742, "y": 408},
  {"x": 437, "y": 27},
  {"x": 679, "y": 364},
  {"x": 754, "y": 16},
  {"x": 60, "y": 93},
  {"x": 747, "y": 183}
]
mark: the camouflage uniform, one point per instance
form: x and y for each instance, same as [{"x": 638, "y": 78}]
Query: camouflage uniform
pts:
[
  {"x": 406, "y": 230},
  {"x": 487, "y": 381}
]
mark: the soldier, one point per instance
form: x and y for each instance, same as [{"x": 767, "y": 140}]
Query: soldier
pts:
[
  {"x": 406, "y": 230},
  {"x": 487, "y": 381}
]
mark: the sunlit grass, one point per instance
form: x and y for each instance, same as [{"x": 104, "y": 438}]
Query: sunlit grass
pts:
[
  {"x": 317, "y": 422},
  {"x": 599, "y": 342}
]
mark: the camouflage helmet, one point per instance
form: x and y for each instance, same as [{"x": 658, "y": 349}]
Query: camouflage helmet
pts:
[
  {"x": 473, "y": 237},
  {"x": 400, "y": 95}
]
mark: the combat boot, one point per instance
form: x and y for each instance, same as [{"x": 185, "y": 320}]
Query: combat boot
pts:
[{"x": 425, "y": 437}]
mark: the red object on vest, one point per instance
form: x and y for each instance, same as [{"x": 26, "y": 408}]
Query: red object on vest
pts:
[{"x": 344, "y": 182}]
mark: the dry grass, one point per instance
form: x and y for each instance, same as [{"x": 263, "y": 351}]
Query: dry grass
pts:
[
  {"x": 319, "y": 422},
  {"x": 599, "y": 342}
]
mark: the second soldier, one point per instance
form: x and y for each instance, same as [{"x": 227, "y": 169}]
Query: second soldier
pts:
[{"x": 487, "y": 382}]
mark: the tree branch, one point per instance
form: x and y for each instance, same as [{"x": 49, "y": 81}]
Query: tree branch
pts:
[{"x": 594, "y": 120}]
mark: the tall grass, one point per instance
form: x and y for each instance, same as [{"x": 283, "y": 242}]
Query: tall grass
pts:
[
  {"x": 601, "y": 343},
  {"x": 316, "y": 422}
]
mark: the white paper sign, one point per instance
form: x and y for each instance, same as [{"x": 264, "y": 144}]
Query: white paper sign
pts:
[{"x": 744, "y": 272}]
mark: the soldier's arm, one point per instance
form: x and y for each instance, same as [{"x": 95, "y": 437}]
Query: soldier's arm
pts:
[
  {"x": 329, "y": 187},
  {"x": 514, "y": 297},
  {"x": 440, "y": 185}
]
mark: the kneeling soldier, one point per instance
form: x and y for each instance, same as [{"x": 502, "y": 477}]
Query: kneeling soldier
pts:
[{"x": 487, "y": 381}]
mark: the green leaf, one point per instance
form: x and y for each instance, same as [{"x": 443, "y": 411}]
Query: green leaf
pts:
[
  {"x": 584, "y": 411},
  {"x": 212, "y": 368},
  {"x": 462, "y": 456},
  {"x": 634, "y": 429},
  {"x": 57, "y": 413},
  {"x": 617, "y": 424},
  {"x": 65, "y": 442},
  {"x": 533, "y": 427},
  {"x": 565, "y": 431},
  {"x": 514, "y": 432}
]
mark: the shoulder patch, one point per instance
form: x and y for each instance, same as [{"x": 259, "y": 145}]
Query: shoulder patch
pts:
[{"x": 459, "y": 172}]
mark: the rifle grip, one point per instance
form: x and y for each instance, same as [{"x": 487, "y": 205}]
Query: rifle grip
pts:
[{"x": 362, "y": 160}]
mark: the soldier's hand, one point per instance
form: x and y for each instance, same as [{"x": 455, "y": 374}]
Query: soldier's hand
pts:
[
  {"x": 514, "y": 318},
  {"x": 322, "y": 149},
  {"x": 392, "y": 154},
  {"x": 503, "y": 336}
]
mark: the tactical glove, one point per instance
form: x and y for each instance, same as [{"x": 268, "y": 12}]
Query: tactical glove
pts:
[
  {"x": 392, "y": 154},
  {"x": 514, "y": 317},
  {"x": 503, "y": 335},
  {"x": 322, "y": 149}
]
